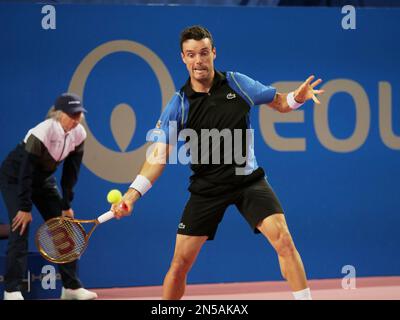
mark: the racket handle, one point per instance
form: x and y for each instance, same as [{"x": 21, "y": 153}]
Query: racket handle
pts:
[{"x": 106, "y": 216}]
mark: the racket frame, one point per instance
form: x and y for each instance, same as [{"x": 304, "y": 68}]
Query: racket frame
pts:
[{"x": 78, "y": 223}]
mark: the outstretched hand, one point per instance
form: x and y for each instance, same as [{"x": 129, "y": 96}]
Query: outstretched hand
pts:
[{"x": 306, "y": 91}]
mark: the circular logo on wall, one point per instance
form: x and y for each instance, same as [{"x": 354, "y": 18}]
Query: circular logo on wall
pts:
[{"x": 111, "y": 165}]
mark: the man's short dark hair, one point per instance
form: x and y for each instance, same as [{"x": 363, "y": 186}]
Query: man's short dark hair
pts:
[{"x": 196, "y": 33}]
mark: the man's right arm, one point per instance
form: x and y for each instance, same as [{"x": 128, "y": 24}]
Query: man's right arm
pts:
[
  {"x": 152, "y": 169},
  {"x": 169, "y": 124}
]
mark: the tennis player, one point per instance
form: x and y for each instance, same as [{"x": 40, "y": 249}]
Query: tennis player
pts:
[{"x": 211, "y": 99}]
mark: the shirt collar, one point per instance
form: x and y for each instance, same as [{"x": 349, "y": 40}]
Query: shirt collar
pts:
[{"x": 219, "y": 79}]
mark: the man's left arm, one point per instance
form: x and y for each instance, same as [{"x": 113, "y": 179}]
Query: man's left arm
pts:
[{"x": 286, "y": 102}]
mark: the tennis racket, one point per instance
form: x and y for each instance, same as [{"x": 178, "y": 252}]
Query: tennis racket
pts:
[{"x": 63, "y": 239}]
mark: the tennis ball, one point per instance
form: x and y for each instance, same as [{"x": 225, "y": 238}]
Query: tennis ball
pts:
[{"x": 114, "y": 196}]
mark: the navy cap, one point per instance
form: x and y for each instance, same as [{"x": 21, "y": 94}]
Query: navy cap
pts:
[{"x": 69, "y": 103}]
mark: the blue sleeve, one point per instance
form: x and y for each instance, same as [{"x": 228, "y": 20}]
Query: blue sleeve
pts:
[
  {"x": 254, "y": 92},
  {"x": 169, "y": 124}
]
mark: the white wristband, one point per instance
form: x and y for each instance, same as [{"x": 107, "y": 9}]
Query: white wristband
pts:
[
  {"x": 293, "y": 104},
  {"x": 141, "y": 184}
]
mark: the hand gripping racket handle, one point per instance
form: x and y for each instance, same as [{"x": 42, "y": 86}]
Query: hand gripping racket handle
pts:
[{"x": 109, "y": 214}]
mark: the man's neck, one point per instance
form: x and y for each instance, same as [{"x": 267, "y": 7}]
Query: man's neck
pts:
[{"x": 202, "y": 86}]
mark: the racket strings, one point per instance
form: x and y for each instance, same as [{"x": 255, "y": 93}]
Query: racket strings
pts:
[{"x": 61, "y": 240}]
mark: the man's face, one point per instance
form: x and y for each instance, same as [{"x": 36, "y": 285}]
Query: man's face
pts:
[{"x": 198, "y": 55}]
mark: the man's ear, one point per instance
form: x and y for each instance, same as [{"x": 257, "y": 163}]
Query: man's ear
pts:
[
  {"x": 214, "y": 50},
  {"x": 183, "y": 57}
]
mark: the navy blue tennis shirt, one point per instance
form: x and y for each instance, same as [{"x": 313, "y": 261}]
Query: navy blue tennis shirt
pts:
[{"x": 224, "y": 109}]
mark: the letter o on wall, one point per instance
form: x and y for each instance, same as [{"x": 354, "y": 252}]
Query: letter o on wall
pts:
[{"x": 363, "y": 115}]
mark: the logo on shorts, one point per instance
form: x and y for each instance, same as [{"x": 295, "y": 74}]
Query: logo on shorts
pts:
[
  {"x": 181, "y": 226},
  {"x": 230, "y": 96}
]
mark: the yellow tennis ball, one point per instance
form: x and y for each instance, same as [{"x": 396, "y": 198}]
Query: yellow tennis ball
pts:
[{"x": 114, "y": 196}]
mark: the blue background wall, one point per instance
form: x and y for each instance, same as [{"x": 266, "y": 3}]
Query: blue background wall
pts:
[{"x": 342, "y": 208}]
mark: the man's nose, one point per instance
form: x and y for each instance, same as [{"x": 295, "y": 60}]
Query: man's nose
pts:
[{"x": 198, "y": 59}]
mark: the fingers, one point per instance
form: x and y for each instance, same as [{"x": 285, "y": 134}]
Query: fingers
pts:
[
  {"x": 22, "y": 219},
  {"x": 68, "y": 213},
  {"x": 114, "y": 208},
  {"x": 16, "y": 223},
  {"x": 23, "y": 227},
  {"x": 309, "y": 79},
  {"x": 315, "y": 99},
  {"x": 117, "y": 211},
  {"x": 121, "y": 209},
  {"x": 315, "y": 83}
]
